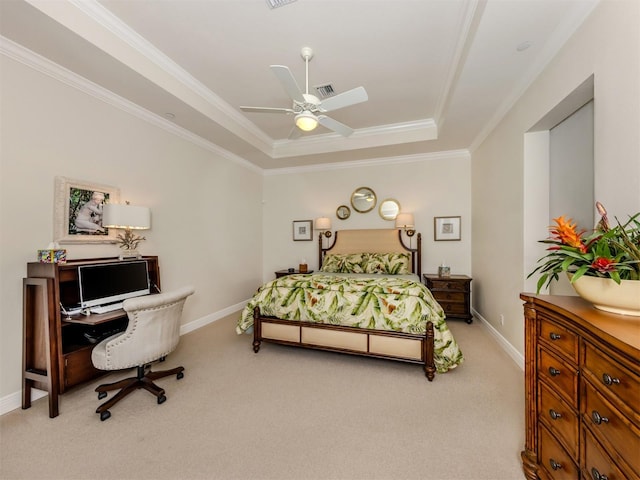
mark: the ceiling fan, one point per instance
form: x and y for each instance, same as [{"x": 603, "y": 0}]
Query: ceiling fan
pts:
[{"x": 308, "y": 109}]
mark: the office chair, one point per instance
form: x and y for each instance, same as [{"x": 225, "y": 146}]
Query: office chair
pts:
[{"x": 152, "y": 333}]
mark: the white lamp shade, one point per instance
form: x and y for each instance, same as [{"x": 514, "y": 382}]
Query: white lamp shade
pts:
[
  {"x": 323, "y": 223},
  {"x": 126, "y": 216},
  {"x": 404, "y": 220},
  {"x": 306, "y": 121}
]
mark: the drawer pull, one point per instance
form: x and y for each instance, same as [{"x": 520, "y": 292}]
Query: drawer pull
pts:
[
  {"x": 554, "y": 415},
  {"x": 609, "y": 380},
  {"x": 598, "y": 419},
  {"x": 555, "y": 336},
  {"x": 555, "y": 465},
  {"x": 596, "y": 475},
  {"x": 554, "y": 372}
]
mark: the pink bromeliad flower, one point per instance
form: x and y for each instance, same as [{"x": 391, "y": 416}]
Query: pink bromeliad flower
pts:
[{"x": 603, "y": 265}]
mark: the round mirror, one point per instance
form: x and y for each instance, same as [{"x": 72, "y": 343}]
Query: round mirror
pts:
[
  {"x": 389, "y": 209},
  {"x": 343, "y": 212},
  {"x": 363, "y": 199}
]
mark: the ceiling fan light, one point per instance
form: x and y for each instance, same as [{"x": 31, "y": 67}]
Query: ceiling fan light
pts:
[{"x": 306, "y": 121}]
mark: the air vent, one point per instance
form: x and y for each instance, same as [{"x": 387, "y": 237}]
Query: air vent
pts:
[
  {"x": 325, "y": 91},
  {"x": 278, "y": 3}
]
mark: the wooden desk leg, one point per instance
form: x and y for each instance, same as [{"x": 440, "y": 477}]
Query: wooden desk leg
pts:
[{"x": 39, "y": 364}]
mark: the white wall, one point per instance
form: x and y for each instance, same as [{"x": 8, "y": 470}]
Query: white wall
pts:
[
  {"x": 606, "y": 45},
  {"x": 427, "y": 186},
  {"x": 196, "y": 198}
]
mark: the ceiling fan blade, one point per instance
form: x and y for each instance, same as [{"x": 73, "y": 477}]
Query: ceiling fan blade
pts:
[
  {"x": 335, "y": 125},
  {"x": 295, "y": 133},
  {"x": 288, "y": 82},
  {"x": 350, "y": 97},
  {"x": 266, "y": 110}
]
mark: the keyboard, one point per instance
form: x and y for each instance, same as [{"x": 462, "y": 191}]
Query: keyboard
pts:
[{"x": 106, "y": 308}]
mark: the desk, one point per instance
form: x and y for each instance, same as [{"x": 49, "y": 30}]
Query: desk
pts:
[{"x": 57, "y": 353}]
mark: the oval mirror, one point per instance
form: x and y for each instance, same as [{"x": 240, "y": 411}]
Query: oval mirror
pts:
[
  {"x": 343, "y": 212},
  {"x": 363, "y": 200},
  {"x": 389, "y": 209}
]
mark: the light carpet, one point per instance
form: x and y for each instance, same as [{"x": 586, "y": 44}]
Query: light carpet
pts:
[{"x": 285, "y": 413}]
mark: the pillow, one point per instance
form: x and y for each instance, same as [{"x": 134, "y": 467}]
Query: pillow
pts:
[
  {"x": 343, "y": 263},
  {"x": 389, "y": 263}
]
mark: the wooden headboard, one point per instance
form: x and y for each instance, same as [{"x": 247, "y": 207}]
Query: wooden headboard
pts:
[{"x": 378, "y": 240}]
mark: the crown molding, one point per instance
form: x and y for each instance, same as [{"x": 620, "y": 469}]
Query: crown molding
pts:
[
  {"x": 394, "y": 161},
  {"x": 38, "y": 63},
  {"x": 392, "y": 134}
]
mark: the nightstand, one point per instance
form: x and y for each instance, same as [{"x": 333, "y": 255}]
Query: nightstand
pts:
[
  {"x": 283, "y": 273},
  {"x": 453, "y": 293}
]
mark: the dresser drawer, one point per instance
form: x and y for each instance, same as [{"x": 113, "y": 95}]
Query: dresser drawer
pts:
[
  {"x": 561, "y": 376},
  {"x": 612, "y": 427},
  {"x": 613, "y": 378},
  {"x": 448, "y": 296},
  {"x": 554, "y": 459},
  {"x": 559, "y": 338},
  {"x": 443, "y": 284},
  {"x": 597, "y": 465},
  {"x": 561, "y": 419},
  {"x": 453, "y": 308}
]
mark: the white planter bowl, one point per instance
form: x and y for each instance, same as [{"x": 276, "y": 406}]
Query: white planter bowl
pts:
[{"x": 607, "y": 295}]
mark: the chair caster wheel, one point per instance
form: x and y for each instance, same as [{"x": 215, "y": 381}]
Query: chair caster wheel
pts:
[
  {"x": 104, "y": 415},
  {"x": 180, "y": 375},
  {"x": 161, "y": 399},
  {"x": 101, "y": 395}
]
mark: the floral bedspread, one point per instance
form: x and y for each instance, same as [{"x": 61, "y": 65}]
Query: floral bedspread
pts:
[{"x": 374, "y": 302}]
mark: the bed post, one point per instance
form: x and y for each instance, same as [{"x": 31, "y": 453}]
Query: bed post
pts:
[
  {"x": 319, "y": 250},
  {"x": 429, "y": 364},
  {"x": 257, "y": 330},
  {"x": 419, "y": 256}
]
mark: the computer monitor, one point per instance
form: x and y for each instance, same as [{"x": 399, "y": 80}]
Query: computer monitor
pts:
[{"x": 105, "y": 283}]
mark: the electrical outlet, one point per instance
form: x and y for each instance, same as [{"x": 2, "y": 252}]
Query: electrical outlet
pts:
[{"x": 501, "y": 319}]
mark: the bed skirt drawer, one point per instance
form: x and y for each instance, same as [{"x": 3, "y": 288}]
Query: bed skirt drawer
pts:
[
  {"x": 335, "y": 339},
  {"x": 278, "y": 331},
  {"x": 395, "y": 347}
]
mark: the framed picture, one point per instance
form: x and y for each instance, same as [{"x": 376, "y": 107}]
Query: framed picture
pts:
[
  {"x": 446, "y": 228},
  {"x": 77, "y": 216},
  {"x": 302, "y": 230}
]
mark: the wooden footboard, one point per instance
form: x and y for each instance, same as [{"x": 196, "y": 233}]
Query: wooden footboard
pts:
[{"x": 406, "y": 347}]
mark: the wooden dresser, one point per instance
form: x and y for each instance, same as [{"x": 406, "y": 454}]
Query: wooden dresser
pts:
[{"x": 582, "y": 381}]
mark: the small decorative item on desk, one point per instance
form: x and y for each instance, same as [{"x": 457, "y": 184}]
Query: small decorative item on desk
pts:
[
  {"x": 52, "y": 254},
  {"x": 610, "y": 254}
]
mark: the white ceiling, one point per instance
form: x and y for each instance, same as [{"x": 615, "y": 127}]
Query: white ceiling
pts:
[{"x": 439, "y": 73}]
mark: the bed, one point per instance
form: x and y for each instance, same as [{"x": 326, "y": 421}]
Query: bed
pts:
[{"x": 367, "y": 299}]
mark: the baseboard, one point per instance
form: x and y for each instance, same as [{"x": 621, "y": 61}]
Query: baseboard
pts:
[
  {"x": 515, "y": 355},
  {"x": 14, "y": 400},
  {"x": 206, "y": 320}
]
